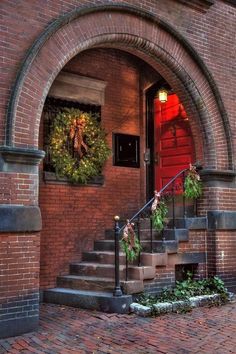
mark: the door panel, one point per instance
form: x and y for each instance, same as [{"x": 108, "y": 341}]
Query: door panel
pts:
[{"x": 173, "y": 140}]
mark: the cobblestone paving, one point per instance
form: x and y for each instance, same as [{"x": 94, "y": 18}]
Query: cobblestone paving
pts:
[{"x": 67, "y": 330}]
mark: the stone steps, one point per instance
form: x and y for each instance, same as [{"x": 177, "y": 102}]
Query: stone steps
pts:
[
  {"x": 93, "y": 300},
  {"x": 91, "y": 281},
  {"x": 159, "y": 246},
  {"x": 104, "y": 257},
  {"x": 108, "y": 271},
  {"x": 97, "y": 284},
  {"x": 108, "y": 257},
  {"x": 80, "y": 282}
]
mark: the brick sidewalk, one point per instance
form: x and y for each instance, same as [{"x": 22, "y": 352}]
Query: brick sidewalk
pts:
[{"x": 67, "y": 330}]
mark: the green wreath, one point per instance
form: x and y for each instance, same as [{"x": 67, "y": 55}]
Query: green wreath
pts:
[
  {"x": 78, "y": 147},
  {"x": 192, "y": 184},
  {"x": 159, "y": 216},
  {"x": 130, "y": 243},
  {"x": 132, "y": 253}
]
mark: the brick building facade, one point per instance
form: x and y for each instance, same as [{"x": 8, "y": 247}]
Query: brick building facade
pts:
[{"x": 44, "y": 223}]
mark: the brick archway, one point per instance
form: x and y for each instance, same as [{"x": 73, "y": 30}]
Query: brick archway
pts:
[{"x": 146, "y": 36}]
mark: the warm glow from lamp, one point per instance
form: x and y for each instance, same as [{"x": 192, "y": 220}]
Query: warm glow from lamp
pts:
[{"x": 162, "y": 95}]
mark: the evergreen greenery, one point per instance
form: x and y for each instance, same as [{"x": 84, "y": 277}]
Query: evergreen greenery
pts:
[
  {"x": 192, "y": 185},
  {"x": 132, "y": 253},
  {"x": 66, "y": 165},
  {"x": 186, "y": 289},
  {"x": 159, "y": 215}
]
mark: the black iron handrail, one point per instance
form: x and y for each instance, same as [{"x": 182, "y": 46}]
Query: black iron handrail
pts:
[
  {"x": 152, "y": 199},
  {"x": 118, "y": 230}
]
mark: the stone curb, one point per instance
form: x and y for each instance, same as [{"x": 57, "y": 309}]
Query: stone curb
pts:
[{"x": 176, "y": 306}]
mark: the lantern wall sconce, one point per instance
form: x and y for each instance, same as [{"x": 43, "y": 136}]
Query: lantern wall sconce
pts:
[{"x": 162, "y": 95}]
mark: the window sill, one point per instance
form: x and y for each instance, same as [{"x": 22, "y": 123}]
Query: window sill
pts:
[{"x": 52, "y": 178}]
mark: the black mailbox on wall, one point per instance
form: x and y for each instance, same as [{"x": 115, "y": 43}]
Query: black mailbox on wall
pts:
[{"x": 126, "y": 150}]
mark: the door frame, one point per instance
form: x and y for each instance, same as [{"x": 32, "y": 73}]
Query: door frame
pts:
[
  {"x": 149, "y": 144},
  {"x": 150, "y": 137}
]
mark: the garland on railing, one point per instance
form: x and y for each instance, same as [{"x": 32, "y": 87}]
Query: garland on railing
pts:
[
  {"x": 192, "y": 184},
  {"x": 159, "y": 211},
  {"x": 130, "y": 243},
  {"x": 192, "y": 190}
]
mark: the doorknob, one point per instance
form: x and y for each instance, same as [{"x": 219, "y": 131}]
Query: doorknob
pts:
[{"x": 146, "y": 156}]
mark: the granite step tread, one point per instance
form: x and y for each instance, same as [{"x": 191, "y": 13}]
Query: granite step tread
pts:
[
  {"x": 88, "y": 283},
  {"x": 87, "y": 299},
  {"x": 108, "y": 270},
  {"x": 85, "y": 277},
  {"x": 82, "y": 292},
  {"x": 101, "y": 265}
]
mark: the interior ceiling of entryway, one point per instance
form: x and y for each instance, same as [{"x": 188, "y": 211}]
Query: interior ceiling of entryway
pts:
[{"x": 143, "y": 66}]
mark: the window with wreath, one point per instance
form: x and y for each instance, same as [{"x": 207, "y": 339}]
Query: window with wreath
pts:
[{"x": 74, "y": 141}]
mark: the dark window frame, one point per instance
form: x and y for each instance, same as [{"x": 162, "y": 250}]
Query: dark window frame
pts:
[{"x": 123, "y": 155}]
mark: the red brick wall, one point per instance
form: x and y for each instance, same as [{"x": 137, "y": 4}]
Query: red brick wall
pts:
[
  {"x": 165, "y": 277},
  {"x": 216, "y": 198},
  {"x": 73, "y": 216},
  {"x": 195, "y": 243},
  {"x": 221, "y": 248},
  {"x": 19, "y": 188},
  {"x": 19, "y": 275}
]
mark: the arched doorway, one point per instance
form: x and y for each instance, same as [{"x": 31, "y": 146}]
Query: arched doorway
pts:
[
  {"x": 173, "y": 142},
  {"x": 169, "y": 140},
  {"x": 198, "y": 93}
]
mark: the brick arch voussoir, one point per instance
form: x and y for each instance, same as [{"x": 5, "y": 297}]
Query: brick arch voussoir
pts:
[
  {"x": 175, "y": 75},
  {"x": 60, "y": 42}
]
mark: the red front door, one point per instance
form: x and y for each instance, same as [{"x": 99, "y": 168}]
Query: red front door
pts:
[{"x": 173, "y": 140}]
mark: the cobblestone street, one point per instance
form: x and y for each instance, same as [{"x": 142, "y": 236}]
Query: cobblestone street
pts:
[{"x": 68, "y": 330}]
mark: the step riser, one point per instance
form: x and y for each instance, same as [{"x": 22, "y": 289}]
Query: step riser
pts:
[
  {"x": 145, "y": 226},
  {"x": 158, "y": 246},
  {"x": 134, "y": 273},
  {"x": 104, "y": 246},
  {"x": 177, "y": 234},
  {"x": 92, "y": 301},
  {"x": 79, "y": 284},
  {"x": 145, "y": 235},
  {"x": 101, "y": 258},
  {"x": 130, "y": 287},
  {"x": 180, "y": 223},
  {"x": 109, "y": 245},
  {"x": 85, "y": 270},
  {"x": 154, "y": 259}
]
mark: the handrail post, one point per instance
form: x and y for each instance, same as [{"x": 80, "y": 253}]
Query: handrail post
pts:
[
  {"x": 173, "y": 203},
  {"x": 151, "y": 235},
  {"x": 126, "y": 267},
  {"x": 117, "y": 290},
  {"x": 138, "y": 229},
  {"x": 184, "y": 201}
]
